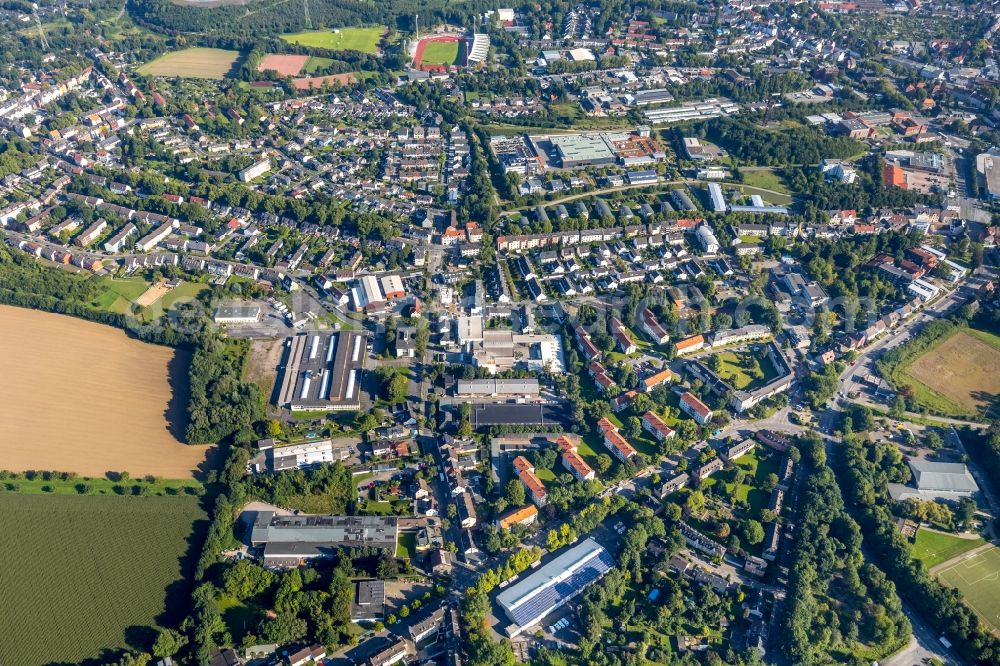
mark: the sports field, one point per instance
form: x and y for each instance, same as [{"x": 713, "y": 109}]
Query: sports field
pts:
[
  {"x": 932, "y": 547},
  {"x": 85, "y": 574},
  {"x": 440, "y": 52},
  {"x": 958, "y": 376},
  {"x": 83, "y": 397},
  {"x": 978, "y": 579},
  {"x": 365, "y": 40},
  {"x": 194, "y": 63}
]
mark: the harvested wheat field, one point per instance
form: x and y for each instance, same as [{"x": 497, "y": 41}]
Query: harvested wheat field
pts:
[
  {"x": 194, "y": 63},
  {"x": 961, "y": 370},
  {"x": 82, "y": 397}
]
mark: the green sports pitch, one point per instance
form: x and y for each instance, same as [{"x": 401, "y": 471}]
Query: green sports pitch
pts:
[
  {"x": 978, "y": 579},
  {"x": 442, "y": 53},
  {"x": 365, "y": 40}
]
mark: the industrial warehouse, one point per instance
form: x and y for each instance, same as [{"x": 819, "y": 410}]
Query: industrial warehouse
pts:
[
  {"x": 290, "y": 540},
  {"x": 553, "y": 585},
  {"x": 322, "y": 372}
]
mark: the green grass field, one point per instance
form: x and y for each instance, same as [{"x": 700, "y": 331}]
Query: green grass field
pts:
[
  {"x": 117, "y": 295},
  {"x": 406, "y": 546},
  {"x": 182, "y": 293},
  {"x": 315, "y": 63},
  {"x": 545, "y": 475},
  {"x": 86, "y": 574},
  {"x": 441, "y": 53},
  {"x": 733, "y": 371},
  {"x": 932, "y": 547},
  {"x": 978, "y": 579},
  {"x": 194, "y": 63},
  {"x": 767, "y": 180},
  {"x": 365, "y": 40}
]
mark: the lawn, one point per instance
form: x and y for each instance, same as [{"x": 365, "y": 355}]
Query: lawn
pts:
[
  {"x": 365, "y": 40},
  {"x": 545, "y": 475},
  {"x": 195, "y": 63},
  {"x": 932, "y": 547},
  {"x": 117, "y": 295},
  {"x": 182, "y": 293},
  {"x": 757, "y": 470},
  {"x": 86, "y": 574},
  {"x": 765, "y": 179},
  {"x": 406, "y": 545},
  {"x": 441, "y": 53},
  {"x": 978, "y": 579},
  {"x": 957, "y": 376},
  {"x": 590, "y": 447},
  {"x": 240, "y": 618},
  {"x": 765, "y": 193},
  {"x": 734, "y": 369},
  {"x": 315, "y": 63}
]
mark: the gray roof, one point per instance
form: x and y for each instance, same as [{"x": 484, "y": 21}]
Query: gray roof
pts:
[
  {"x": 949, "y": 477},
  {"x": 345, "y": 531},
  {"x": 497, "y": 386},
  {"x": 522, "y": 594}
]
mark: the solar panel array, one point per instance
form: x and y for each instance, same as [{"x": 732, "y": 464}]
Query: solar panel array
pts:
[{"x": 547, "y": 598}]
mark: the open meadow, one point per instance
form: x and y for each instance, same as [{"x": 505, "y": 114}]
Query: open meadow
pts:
[
  {"x": 978, "y": 579},
  {"x": 958, "y": 376},
  {"x": 194, "y": 63},
  {"x": 932, "y": 547},
  {"x": 83, "y": 575},
  {"x": 365, "y": 40},
  {"x": 85, "y": 398}
]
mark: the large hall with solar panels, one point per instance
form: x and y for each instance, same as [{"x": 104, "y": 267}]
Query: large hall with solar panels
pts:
[{"x": 553, "y": 584}]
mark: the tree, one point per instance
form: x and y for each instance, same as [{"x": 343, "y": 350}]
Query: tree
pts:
[
  {"x": 753, "y": 532},
  {"x": 515, "y": 492},
  {"x": 966, "y": 512},
  {"x": 245, "y": 580},
  {"x": 603, "y": 463},
  {"x": 168, "y": 643},
  {"x": 770, "y": 482},
  {"x": 695, "y": 503},
  {"x": 633, "y": 427},
  {"x": 274, "y": 428},
  {"x": 396, "y": 388}
]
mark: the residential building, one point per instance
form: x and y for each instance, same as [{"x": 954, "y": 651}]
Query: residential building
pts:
[{"x": 695, "y": 408}]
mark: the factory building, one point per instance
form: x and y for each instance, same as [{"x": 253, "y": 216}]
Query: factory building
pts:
[{"x": 322, "y": 371}]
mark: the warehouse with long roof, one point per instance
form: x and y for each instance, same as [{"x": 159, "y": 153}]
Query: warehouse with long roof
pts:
[
  {"x": 322, "y": 371},
  {"x": 553, "y": 585}
]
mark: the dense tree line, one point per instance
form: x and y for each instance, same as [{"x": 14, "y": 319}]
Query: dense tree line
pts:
[
  {"x": 221, "y": 404},
  {"x": 864, "y": 482},
  {"x": 837, "y": 604},
  {"x": 271, "y": 17},
  {"x": 751, "y": 144}
]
